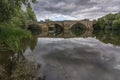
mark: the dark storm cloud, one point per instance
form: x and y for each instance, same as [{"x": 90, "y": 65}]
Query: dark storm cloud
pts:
[{"x": 75, "y": 8}]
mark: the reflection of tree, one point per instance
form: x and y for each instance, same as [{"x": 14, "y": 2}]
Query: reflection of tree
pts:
[
  {"x": 18, "y": 68},
  {"x": 14, "y": 66},
  {"x": 33, "y": 43},
  {"x": 6, "y": 64},
  {"x": 23, "y": 69},
  {"x": 112, "y": 37}
]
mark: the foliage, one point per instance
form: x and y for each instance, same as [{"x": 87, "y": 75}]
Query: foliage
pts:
[
  {"x": 116, "y": 24},
  {"x": 35, "y": 29},
  {"x": 13, "y": 37},
  {"x": 108, "y": 22},
  {"x": 108, "y": 37},
  {"x": 13, "y": 22},
  {"x": 10, "y": 9}
]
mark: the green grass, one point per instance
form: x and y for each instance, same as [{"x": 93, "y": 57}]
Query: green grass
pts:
[{"x": 11, "y": 38}]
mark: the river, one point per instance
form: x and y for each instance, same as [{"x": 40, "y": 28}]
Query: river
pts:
[{"x": 95, "y": 57}]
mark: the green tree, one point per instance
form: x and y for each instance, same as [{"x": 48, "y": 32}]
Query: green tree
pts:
[
  {"x": 117, "y": 16},
  {"x": 116, "y": 24},
  {"x": 10, "y": 8},
  {"x": 12, "y": 16},
  {"x": 30, "y": 13},
  {"x": 101, "y": 23},
  {"x": 108, "y": 22},
  {"x": 109, "y": 18}
]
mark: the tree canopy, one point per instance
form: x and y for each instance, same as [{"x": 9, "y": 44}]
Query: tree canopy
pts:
[
  {"x": 11, "y": 8},
  {"x": 109, "y": 22}
]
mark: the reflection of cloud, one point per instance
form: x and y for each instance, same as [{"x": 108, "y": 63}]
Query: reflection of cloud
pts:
[{"x": 75, "y": 9}]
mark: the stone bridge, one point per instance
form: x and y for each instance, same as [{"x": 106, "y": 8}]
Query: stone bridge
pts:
[{"x": 66, "y": 25}]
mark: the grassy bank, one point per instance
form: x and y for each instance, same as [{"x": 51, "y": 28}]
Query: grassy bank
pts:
[{"x": 11, "y": 37}]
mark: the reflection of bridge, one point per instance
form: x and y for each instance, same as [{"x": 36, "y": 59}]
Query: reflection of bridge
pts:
[
  {"x": 69, "y": 34},
  {"x": 66, "y": 25}
]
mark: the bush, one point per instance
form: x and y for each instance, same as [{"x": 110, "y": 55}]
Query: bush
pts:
[
  {"x": 12, "y": 37},
  {"x": 35, "y": 29},
  {"x": 116, "y": 25}
]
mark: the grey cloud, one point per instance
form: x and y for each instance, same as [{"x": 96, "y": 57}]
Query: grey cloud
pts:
[
  {"x": 76, "y": 8},
  {"x": 63, "y": 6}
]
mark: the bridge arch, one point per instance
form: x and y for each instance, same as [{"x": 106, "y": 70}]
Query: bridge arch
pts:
[
  {"x": 78, "y": 29},
  {"x": 55, "y": 29},
  {"x": 78, "y": 24}
]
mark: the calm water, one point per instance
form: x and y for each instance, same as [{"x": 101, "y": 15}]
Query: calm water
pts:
[{"x": 85, "y": 56}]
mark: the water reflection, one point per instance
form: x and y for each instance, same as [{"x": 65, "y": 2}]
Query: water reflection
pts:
[
  {"x": 104, "y": 36},
  {"x": 67, "y": 34},
  {"x": 112, "y": 37},
  {"x": 76, "y": 55},
  {"x": 15, "y": 66},
  {"x": 77, "y": 59}
]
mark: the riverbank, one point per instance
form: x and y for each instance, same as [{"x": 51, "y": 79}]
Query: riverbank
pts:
[
  {"x": 13, "y": 65},
  {"x": 11, "y": 37}
]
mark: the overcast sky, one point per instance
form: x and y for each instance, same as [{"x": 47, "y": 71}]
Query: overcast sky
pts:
[{"x": 74, "y": 9}]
